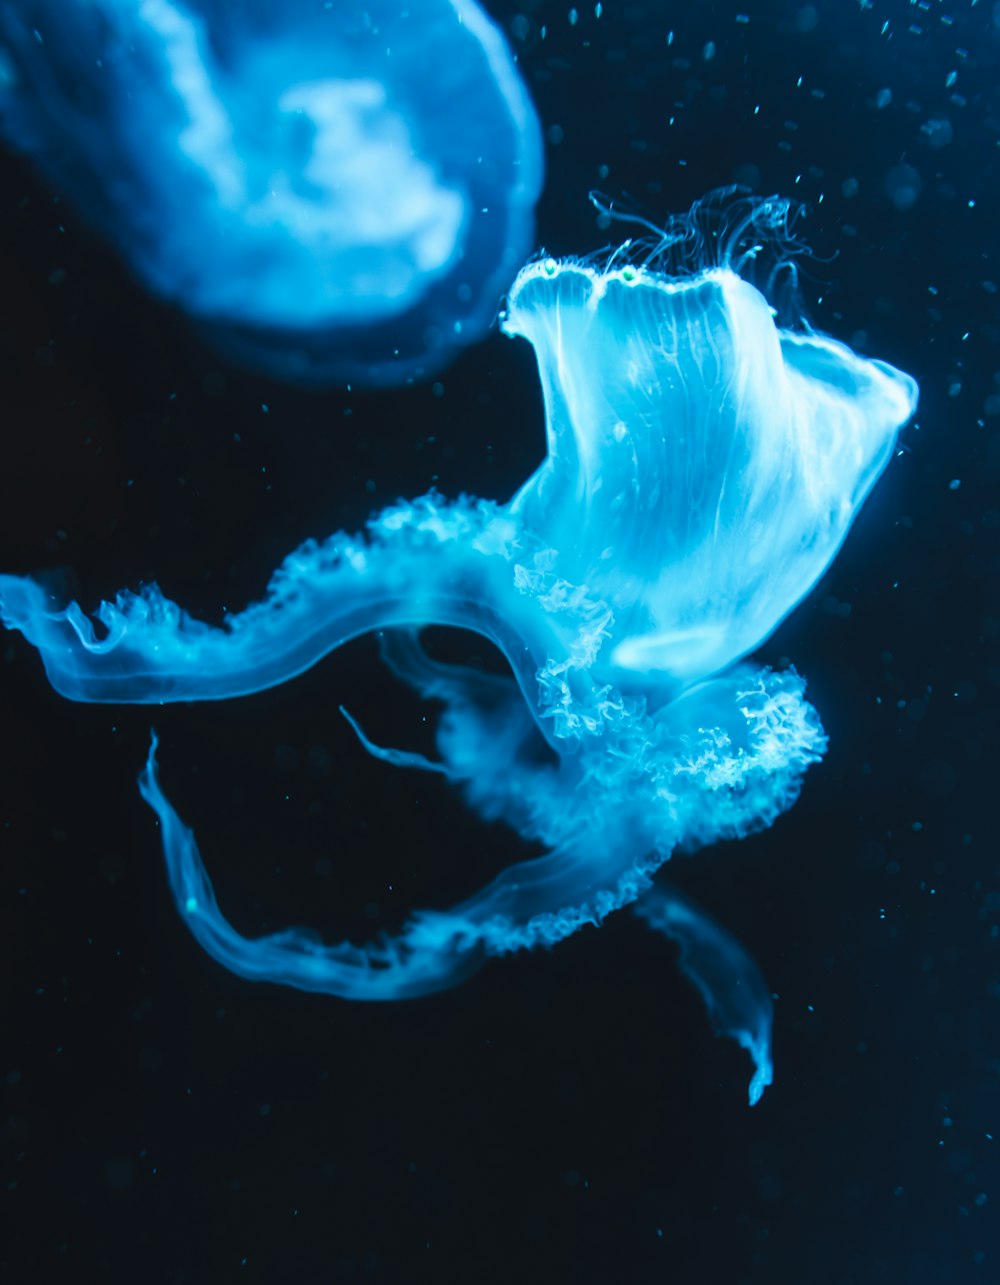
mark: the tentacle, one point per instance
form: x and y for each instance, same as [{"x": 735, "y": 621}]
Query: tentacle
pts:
[
  {"x": 149, "y": 651},
  {"x": 396, "y": 758},
  {"x": 403, "y": 653},
  {"x": 535, "y": 902},
  {"x": 430, "y": 954},
  {"x": 487, "y": 725},
  {"x": 580, "y": 883},
  {"x": 489, "y": 740},
  {"x": 735, "y": 994}
]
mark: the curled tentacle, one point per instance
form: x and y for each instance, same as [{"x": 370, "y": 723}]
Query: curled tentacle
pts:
[{"x": 427, "y": 956}]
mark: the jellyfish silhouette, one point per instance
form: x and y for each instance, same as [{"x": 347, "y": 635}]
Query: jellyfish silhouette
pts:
[
  {"x": 703, "y": 467},
  {"x": 333, "y": 192}
]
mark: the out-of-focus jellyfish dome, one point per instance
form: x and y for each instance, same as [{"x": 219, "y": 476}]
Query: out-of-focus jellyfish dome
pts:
[{"x": 334, "y": 191}]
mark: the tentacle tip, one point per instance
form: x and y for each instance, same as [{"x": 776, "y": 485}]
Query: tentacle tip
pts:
[{"x": 763, "y": 1076}]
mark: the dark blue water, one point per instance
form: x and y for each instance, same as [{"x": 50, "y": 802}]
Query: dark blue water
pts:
[{"x": 564, "y": 1116}]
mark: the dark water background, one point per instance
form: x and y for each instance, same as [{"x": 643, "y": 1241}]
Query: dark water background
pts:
[{"x": 562, "y": 1117}]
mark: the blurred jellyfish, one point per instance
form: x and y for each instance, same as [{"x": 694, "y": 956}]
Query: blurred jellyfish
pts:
[
  {"x": 903, "y": 186},
  {"x": 703, "y": 467},
  {"x": 333, "y": 192}
]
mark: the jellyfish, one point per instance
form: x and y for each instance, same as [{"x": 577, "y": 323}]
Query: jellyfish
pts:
[
  {"x": 703, "y": 466},
  {"x": 332, "y": 192}
]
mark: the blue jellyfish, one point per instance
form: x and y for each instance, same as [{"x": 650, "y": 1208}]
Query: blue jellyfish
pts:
[
  {"x": 703, "y": 467},
  {"x": 333, "y": 192}
]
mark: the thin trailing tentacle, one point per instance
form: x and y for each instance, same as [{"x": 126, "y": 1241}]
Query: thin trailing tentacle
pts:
[{"x": 730, "y": 983}]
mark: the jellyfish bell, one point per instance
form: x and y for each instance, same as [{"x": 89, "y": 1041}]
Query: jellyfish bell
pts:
[
  {"x": 704, "y": 465},
  {"x": 331, "y": 192}
]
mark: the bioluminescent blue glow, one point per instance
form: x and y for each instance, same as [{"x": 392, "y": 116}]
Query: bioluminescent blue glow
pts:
[
  {"x": 735, "y": 994},
  {"x": 335, "y": 191},
  {"x": 703, "y": 467},
  {"x": 737, "y": 451}
]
